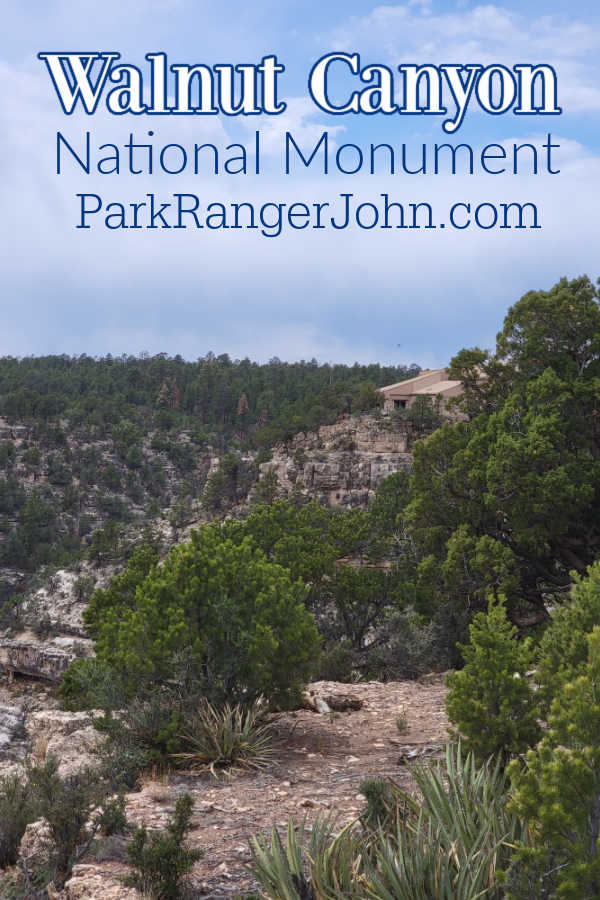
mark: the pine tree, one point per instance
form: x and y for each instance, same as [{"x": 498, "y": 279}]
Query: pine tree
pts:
[
  {"x": 490, "y": 699},
  {"x": 558, "y": 793}
]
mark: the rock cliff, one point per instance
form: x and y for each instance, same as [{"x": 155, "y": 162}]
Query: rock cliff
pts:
[{"x": 342, "y": 464}]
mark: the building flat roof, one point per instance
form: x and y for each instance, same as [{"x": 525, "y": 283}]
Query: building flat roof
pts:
[
  {"x": 437, "y": 387},
  {"x": 426, "y": 373}
]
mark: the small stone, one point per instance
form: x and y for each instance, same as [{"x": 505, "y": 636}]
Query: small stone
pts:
[{"x": 205, "y": 806}]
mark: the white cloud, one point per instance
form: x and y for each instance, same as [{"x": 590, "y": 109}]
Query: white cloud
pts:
[
  {"x": 298, "y": 118},
  {"x": 335, "y": 295},
  {"x": 486, "y": 34}
]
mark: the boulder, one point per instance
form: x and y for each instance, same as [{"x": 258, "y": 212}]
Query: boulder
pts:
[
  {"x": 26, "y": 654},
  {"x": 75, "y": 752},
  {"x": 36, "y": 844},
  {"x": 13, "y": 736},
  {"x": 90, "y": 881},
  {"x": 68, "y": 736}
]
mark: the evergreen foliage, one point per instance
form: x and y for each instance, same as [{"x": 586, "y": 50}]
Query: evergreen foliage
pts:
[
  {"x": 564, "y": 645},
  {"x": 558, "y": 792},
  {"x": 215, "y": 394},
  {"x": 491, "y": 699},
  {"x": 241, "y": 617},
  {"x": 508, "y": 500},
  {"x": 67, "y": 805},
  {"x": 16, "y": 811},
  {"x": 160, "y": 859},
  {"x": 109, "y": 442}
]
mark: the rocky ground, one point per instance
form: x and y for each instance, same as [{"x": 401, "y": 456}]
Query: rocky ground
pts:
[{"x": 322, "y": 758}]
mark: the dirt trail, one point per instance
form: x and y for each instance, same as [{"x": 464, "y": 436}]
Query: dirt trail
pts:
[{"x": 322, "y": 761}]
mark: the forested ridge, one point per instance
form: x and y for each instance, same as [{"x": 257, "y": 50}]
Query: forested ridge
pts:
[
  {"x": 218, "y": 398},
  {"x": 93, "y": 448}
]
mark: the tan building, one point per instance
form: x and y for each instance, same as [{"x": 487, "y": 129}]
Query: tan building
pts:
[{"x": 431, "y": 382}]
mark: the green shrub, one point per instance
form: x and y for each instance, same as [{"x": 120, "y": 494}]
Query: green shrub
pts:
[
  {"x": 229, "y": 738},
  {"x": 267, "y": 489},
  {"x": 491, "y": 700},
  {"x": 151, "y": 726},
  {"x": 241, "y": 617},
  {"x": 112, "y": 819},
  {"x": 17, "y": 810},
  {"x": 91, "y": 684},
  {"x": 160, "y": 859},
  {"x": 358, "y": 600},
  {"x": 558, "y": 791},
  {"x": 408, "y": 646},
  {"x": 336, "y": 663},
  {"x": 67, "y": 805},
  {"x": 564, "y": 645},
  {"x": 26, "y": 883},
  {"x": 402, "y": 721},
  {"x": 120, "y": 765}
]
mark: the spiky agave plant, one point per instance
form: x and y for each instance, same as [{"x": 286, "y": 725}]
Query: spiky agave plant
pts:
[
  {"x": 281, "y": 869},
  {"x": 459, "y": 842},
  {"x": 228, "y": 738},
  {"x": 447, "y": 842},
  {"x": 324, "y": 866}
]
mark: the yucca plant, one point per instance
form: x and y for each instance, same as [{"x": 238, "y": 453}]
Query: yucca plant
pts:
[
  {"x": 461, "y": 839},
  {"x": 425, "y": 867},
  {"x": 324, "y": 866},
  {"x": 281, "y": 870},
  {"x": 227, "y": 739},
  {"x": 448, "y": 842}
]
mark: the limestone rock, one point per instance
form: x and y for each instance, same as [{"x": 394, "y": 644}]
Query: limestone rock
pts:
[
  {"x": 36, "y": 844},
  {"x": 68, "y": 736},
  {"x": 341, "y": 464},
  {"x": 26, "y": 654},
  {"x": 13, "y": 736},
  {"x": 75, "y": 752},
  {"x": 60, "y": 602},
  {"x": 50, "y": 722},
  {"x": 96, "y": 882}
]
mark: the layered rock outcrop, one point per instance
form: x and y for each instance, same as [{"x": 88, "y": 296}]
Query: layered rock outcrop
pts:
[
  {"x": 26, "y": 654},
  {"x": 342, "y": 464}
]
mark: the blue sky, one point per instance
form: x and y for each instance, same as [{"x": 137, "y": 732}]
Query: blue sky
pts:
[{"x": 335, "y": 295}]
